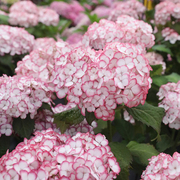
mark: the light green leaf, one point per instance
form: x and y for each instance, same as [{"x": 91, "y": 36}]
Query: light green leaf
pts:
[
  {"x": 23, "y": 127},
  {"x": 162, "y": 48},
  {"x": 4, "y": 19},
  {"x": 159, "y": 80},
  {"x": 142, "y": 151},
  {"x": 174, "y": 77},
  {"x": 157, "y": 70},
  {"x": 148, "y": 114}
]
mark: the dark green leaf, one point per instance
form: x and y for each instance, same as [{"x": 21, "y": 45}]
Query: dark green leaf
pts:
[
  {"x": 125, "y": 129},
  {"x": 162, "y": 48},
  {"x": 174, "y": 77},
  {"x": 148, "y": 114},
  {"x": 23, "y": 127},
  {"x": 159, "y": 80},
  {"x": 101, "y": 125},
  {"x": 142, "y": 151},
  {"x": 7, "y": 60},
  {"x": 164, "y": 143},
  {"x": 4, "y": 144},
  {"x": 150, "y": 14},
  {"x": 124, "y": 174},
  {"x": 62, "y": 126},
  {"x": 157, "y": 70},
  {"x": 90, "y": 117},
  {"x": 46, "y": 106},
  {"x": 122, "y": 154},
  {"x": 70, "y": 117}
]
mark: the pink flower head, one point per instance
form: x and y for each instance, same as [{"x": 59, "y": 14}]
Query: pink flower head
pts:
[
  {"x": 75, "y": 38},
  {"x": 48, "y": 17},
  {"x": 24, "y": 6},
  {"x": 42, "y": 43},
  {"x": 23, "y": 19},
  {"x": 162, "y": 166},
  {"x": 163, "y": 12},
  {"x": 15, "y": 40},
  {"x": 102, "y": 11},
  {"x": 69, "y": 11},
  {"x": 169, "y": 94},
  {"x": 125, "y": 30},
  {"x": 155, "y": 59},
  {"x": 132, "y": 8},
  {"x": 49, "y": 155},
  {"x": 170, "y": 35}
]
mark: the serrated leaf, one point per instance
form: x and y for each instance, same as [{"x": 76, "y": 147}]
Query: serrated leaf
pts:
[
  {"x": 72, "y": 116},
  {"x": 90, "y": 117},
  {"x": 159, "y": 80},
  {"x": 173, "y": 77},
  {"x": 148, "y": 114},
  {"x": 164, "y": 143},
  {"x": 4, "y": 144},
  {"x": 23, "y": 127},
  {"x": 162, "y": 48},
  {"x": 142, "y": 151},
  {"x": 157, "y": 70},
  {"x": 122, "y": 154}
]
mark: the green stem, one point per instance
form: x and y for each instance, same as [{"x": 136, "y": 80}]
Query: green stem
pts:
[{"x": 110, "y": 130}]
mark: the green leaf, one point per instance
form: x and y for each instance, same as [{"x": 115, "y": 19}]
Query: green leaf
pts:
[
  {"x": 148, "y": 114},
  {"x": 122, "y": 154},
  {"x": 174, "y": 77},
  {"x": 159, "y": 80},
  {"x": 100, "y": 126},
  {"x": 23, "y": 127},
  {"x": 157, "y": 70},
  {"x": 63, "y": 24},
  {"x": 4, "y": 144},
  {"x": 7, "y": 60},
  {"x": 164, "y": 143},
  {"x": 125, "y": 129},
  {"x": 70, "y": 117},
  {"x": 142, "y": 151},
  {"x": 46, "y": 106},
  {"x": 150, "y": 14},
  {"x": 4, "y": 19},
  {"x": 62, "y": 126},
  {"x": 162, "y": 48},
  {"x": 124, "y": 174},
  {"x": 90, "y": 117}
]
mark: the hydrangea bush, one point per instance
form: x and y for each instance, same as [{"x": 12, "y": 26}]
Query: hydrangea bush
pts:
[{"x": 89, "y": 90}]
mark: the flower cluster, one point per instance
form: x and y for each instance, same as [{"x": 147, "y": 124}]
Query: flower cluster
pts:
[
  {"x": 44, "y": 120},
  {"x": 164, "y": 11},
  {"x": 26, "y": 13},
  {"x": 70, "y": 11},
  {"x": 170, "y": 35},
  {"x": 74, "y": 38},
  {"x": 22, "y": 95},
  {"x": 163, "y": 167},
  {"x": 15, "y": 40},
  {"x": 49, "y": 155},
  {"x": 170, "y": 96},
  {"x": 155, "y": 59},
  {"x": 125, "y": 30},
  {"x": 97, "y": 81},
  {"x": 48, "y": 16},
  {"x": 131, "y": 7},
  {"x": 40, "y": 63},
  {"x": 42, "y": 43}
]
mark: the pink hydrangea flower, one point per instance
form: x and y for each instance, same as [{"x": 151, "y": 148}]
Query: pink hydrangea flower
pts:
[
  {"x": 70, "y": 11},
  {"x": 24, "y": 6},
  {"x": 170, "y": 35},
  {"x": 169, "y": 94},
  {"x": 23, "y": 19},
  {"x": 155, "y": 59},
  {"x": 125, "y": 30},
  {"x": 102, "y": 11},
  {"x": 131, "y": 7},
  {"x": 97, "y": 81},
  {"x": 15, "y": 40},
  {"x": 163, "y": 167},
  {"x": 49, "y": 155},
  {"x": 48, "y": 16},
  {"x": 163, "y": 12},
  {"x": 74, "y": 38},
  {"x": 3, "y": 13},
  {"x": 42, "y": 43}
]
